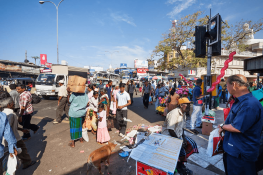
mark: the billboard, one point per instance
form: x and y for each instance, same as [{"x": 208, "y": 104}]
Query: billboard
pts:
[
  {"x": 43, "y": 59},
  {"x": 49, "y": 65},
  {"x": 191, "y": 72},
  {"x": 140, "y": 64},
  {"x": 142, "y": 71},
  {"x": 123, "y": 65}
]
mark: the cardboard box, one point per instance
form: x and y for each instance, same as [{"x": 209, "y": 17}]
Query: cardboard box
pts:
[
  {"x": 77, "y": 84},
  {"x": 207, "y": 128},
  {"x": 143, "y": 169}
]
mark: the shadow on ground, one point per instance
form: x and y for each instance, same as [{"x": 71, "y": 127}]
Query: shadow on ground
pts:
[
  {"x": 38, "y": 141},
  {"x": 118, "y": 166}
]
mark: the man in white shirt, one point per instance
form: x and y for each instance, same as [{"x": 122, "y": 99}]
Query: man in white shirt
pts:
[
  {"x": 8, "y": 105},
  {"x": 62, "y": 102},
  {"x": 123, "y": 100}
]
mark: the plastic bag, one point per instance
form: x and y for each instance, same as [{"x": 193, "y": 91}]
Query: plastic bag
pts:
[
  {"x": 85, "y": 134},
  {"x": 112, "y": 106},
  {"x": 226, "y": 112},
  {"x": 215, "y": 143},
  {"x": 11, "y": 165},
  {"x": 150, "y": 98}
]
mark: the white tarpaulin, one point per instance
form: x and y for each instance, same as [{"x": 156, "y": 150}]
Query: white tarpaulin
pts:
[{"x": 159, "y": 151}]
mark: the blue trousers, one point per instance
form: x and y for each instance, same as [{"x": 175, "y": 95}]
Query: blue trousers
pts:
[{"x": 237, "y": 166}]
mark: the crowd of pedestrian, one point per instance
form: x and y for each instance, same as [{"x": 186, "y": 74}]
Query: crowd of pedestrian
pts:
[{"x": 243, "y": 127}]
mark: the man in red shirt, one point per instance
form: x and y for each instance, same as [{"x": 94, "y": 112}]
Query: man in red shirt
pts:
[{"x": 26, "y": 110}]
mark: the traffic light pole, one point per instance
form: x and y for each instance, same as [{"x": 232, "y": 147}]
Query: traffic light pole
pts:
[{"x": 208, "y": 103}]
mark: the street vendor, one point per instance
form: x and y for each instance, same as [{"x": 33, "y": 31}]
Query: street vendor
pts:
[{"x": 174, "y": 126}]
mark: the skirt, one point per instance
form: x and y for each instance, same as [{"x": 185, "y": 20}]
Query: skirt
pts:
[
  {"x": 75, "y": 125},
  {"x": 103, "y": 135}
]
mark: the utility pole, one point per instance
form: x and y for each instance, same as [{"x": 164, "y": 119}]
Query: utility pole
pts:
[{"x": 26, "y": 56}]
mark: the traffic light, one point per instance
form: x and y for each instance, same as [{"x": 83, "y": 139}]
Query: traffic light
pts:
[
  {"x": 200, "y": 41},
  {"x": 215, "y": 35}
]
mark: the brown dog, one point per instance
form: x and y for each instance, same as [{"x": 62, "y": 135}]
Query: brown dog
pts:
[{"x": 100, "y": 155}]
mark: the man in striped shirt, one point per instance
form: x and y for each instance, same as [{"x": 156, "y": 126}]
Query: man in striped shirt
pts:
[{"x": 26, "y": 110}]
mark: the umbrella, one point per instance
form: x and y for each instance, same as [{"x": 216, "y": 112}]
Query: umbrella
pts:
[
  {"x": 159, "y": 77},
  {"x": 155, "y": 78}
]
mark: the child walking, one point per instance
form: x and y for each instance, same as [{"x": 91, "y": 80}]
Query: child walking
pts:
[{"x": 102, "y": 133}]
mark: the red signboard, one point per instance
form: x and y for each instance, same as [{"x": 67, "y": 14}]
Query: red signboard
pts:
[
  {"x": 143, "y": 169},
  {"x": 142, "y": 71},
  {"x": 45, "y": 70},
  {"x": 49, "y": 65},
  {"x": 43, "y": 59}
]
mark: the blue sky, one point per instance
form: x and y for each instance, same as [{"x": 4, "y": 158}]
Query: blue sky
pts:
[{"x": 88, "y": 28}]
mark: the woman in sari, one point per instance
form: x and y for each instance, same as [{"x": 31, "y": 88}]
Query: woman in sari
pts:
[{"x": 77, "y": 111}]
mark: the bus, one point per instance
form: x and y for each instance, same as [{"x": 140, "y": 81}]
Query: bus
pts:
[{"x": 105, "y": 77}]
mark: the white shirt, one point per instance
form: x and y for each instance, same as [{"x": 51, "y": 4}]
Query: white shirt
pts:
[
  {"x": 93, "y": 104},
  {"x": 154, "y": 86},
  {"x": 123, "y": 99},
  {"x": 13, "y": 121},
  {"x": 62, "y": 92},
  {"x": 175, "y": 120}
]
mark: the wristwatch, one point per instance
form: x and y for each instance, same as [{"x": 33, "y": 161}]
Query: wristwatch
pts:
[{"x": 222, "y": 125}]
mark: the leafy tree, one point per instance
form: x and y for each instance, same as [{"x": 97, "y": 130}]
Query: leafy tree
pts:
[
  {"x": 35, "y": 58},
  {"x": 233, "y": 37}
]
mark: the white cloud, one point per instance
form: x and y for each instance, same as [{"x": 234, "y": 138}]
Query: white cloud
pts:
[
  {"x": 125, "y": 54},
  {"x": 172, "y": 1},
  {"x": 179, "y": 7},
  {"x": 209, "y": 6},
  {"x": 117, "y": 17}
]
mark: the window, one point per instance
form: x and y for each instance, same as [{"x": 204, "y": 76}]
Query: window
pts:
[{"x": 59, "y": 77}]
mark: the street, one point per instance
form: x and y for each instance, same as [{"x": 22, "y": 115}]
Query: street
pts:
[{"x": 49, "y": 146}]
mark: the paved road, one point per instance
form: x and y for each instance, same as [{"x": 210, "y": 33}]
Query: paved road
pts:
[{"x": 49, "y": 146}]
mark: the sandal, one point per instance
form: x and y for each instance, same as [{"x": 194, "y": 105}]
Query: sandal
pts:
[
  {"x": 71, "y": 145},
  {"x": 32, "y": 163}
]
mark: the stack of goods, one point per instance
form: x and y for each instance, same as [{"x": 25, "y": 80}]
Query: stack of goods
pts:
[
  {"x": 160, "y": 110},
  {"x": 163, "y": 104},
  {"x": 77, "y": 84},
  {"x": 183, "y": 92},
  {"x": 210, "y": 118}
]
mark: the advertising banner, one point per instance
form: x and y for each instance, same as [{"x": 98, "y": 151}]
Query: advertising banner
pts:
[
  {"x": 142, "y": 71},
  {"x": 140, "y": 64},
  {"x": 191, "y": 72},
  {"x": 45, "y": 70},
  {"x": 43, "y": 59},
  {"x": 49, "y": 65},
  {"x": 123, "y": 65}
]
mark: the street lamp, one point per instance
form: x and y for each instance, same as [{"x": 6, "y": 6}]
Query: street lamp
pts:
[{"x": 42, "y": 2}]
